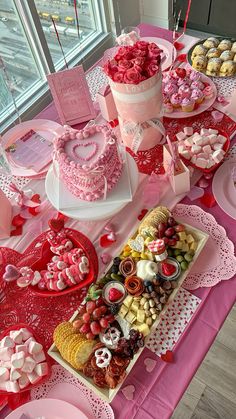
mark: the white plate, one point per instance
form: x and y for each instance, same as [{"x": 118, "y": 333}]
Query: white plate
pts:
[
  {"x": 46, "y": 128},
  {"x": 95, "y": 212},
  {"x": 224, "y": 190},
  {"x": 169, "y": 52}
]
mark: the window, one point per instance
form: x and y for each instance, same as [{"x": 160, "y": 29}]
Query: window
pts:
[{"x": 30, "y": 50}]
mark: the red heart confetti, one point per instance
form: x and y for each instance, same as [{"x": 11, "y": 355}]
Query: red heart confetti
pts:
[
  {"x": 106, "y": 240},
  {"x": 56, "y": 224},
  {"x": 18, "y": 221},
  {"x": 16, "y": 232},
  {"x": 208, "y": 200},
  {"x": 168, "y": 356},
  {"x": 33, "y": 211},
  {"x": 36, "y": 198},
  {"x": 142, "y": 214},
  {"x": 179, "y": 45}
]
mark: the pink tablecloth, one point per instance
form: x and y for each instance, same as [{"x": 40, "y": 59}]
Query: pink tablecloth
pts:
[{"x": 157, "y": 393}]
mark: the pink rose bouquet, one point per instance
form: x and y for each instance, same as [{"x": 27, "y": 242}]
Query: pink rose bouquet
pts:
[{"x": 134, "y": 64}]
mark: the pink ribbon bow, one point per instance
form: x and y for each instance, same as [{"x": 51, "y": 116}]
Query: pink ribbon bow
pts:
[{"x": 22, "y": 199}]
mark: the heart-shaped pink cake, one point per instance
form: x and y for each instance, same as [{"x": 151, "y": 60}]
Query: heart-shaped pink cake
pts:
[{"x": 89, "y": 161}]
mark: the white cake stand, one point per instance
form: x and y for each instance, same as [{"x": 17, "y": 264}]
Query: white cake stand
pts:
[{"x": 95, "y": 212}]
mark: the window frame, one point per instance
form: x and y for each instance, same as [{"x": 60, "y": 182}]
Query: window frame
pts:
[{"x": 30, "y": 103}]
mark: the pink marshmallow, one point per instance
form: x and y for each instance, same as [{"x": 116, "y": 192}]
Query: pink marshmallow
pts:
[
  {"x": 23, "y": 381},
  {"x": 181, "y": 148},
  {"x": 20, "y": 348},
  {"x": 198, "y": 139},
  {"x": 207, "y": 149},
  {"x": 221, "y": 139},
  {"x": 196, "y": 149},
  {"x": 6, "y": 354},
  {"x": 194, "y": 159},
  {"x": 200, "y": 162},
  {"x": 31, "y": 339},
  {"x": 17, "y": 336},
  {"x": 188, "y": 142},
  {"x": 40, "y": 357},
  {"x": 35, "y": 347},
  {"x": 4, "y": 374},
  {"x": 203, "y": 156},
  {"x": 29, "y": 365},
  {"x": 14, "y": 374},
  {"x": 212, "y": 139},
  {"x": 33, "y": 377},
  {"x": 210, "y": 163},
  {"x": 204, "y": 131},
  {"x": 7, "y": 342},
  {"x": 18, "y": 359},
  {"x": 217, "y": 146},
  {"x": 188, "y": 130},
  {"x": 12, "y": 386},
  {"x": 213, "y": 131},
  {"x": 218, "y": 155},
  {"x": 3, "y": 386},
  {"x": 180, "y": 136},
  {"x": 6, "y": 364},
  {"x": 41, "y": 369},
  {"x": 186, "y": 154}
]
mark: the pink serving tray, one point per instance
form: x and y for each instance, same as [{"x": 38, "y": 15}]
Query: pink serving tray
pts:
[
  {"x": 48, "y": 129},
  {"x": 47, "y": 408}
]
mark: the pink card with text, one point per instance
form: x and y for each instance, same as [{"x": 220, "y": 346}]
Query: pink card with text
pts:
[{"x": 71, "y": 96}]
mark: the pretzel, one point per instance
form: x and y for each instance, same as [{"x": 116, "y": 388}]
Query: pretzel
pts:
[
  {"x": 134, "y": 285},
  {"x": 111, "y": 337},
  {"x": 103, "y": 357}
]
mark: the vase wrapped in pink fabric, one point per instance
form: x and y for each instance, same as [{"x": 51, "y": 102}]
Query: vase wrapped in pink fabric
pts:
[{"x": 135, "y": 79}]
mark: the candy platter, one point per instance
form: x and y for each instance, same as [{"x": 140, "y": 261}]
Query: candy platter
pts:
[{"x": 109, "y": 393}]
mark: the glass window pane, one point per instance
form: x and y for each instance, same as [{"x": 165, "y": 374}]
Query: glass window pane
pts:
[
  {"x": 63, "y": 14},
  {"x": 21, "y": 72}
]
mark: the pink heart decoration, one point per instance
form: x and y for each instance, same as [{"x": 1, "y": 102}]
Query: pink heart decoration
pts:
[
  {"x": 150, "y": 364},
  {"x": 195, "y": 193},
  {"x": 217, "y": 116},
  {"x": 11, "y": 273},
  {"x": 203, "y": 183},
  {"x": 91, "y": 150},
  {"x": 105, "y": 258},
  {"x": 128, "y": 392},
  {"x": 109, "y": 227}
]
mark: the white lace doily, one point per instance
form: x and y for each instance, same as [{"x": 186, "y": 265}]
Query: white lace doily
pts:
[
  {"x": 99, "y": 408},
  {"x": 223, "y": 261},
  {"x": 225, "y": 85}
]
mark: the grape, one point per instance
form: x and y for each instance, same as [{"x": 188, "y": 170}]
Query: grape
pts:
[
  {"x": 86, "y": 317},
  {"x": 172, "y": 242},
  {"x": 179, "y": 228},
  {"x": 169, "y": 232},
  {"x": 90, "y": 306},
  {"x": 116, "y": 261},
  {"x": 161, "y": 229},
  {"x": 85, "y": 328},
  {"x": 95, "y": 328},
  {"x": 97, "y": 314},
  {"x": 110, "y": 318},
  {"x": 99, "y": 302},
  {"x": 90, "y": 336},
  {"x": 171, "y": 222},
  {"x": 104, "y": 322},
  {"x": 78, "y": 323},
  {"x": 103, "y": 309}
]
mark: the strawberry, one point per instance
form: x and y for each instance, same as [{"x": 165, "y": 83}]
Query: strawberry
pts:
[
  {"x": 115, "y": 295},
  {"x": 181, "y": 72},
  {"x": 168, "y": 269}
]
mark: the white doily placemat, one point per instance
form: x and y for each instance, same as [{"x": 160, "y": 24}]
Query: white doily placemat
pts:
[
  {"x": 217, "y": 261},
  {"x": 173, "y": 323},
  {"x": 85, "y": 399}
]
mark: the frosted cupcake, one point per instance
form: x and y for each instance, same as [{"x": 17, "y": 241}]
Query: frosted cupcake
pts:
[
  {"x": 187, "y": 104},
  {"x": 208, "y": 92},
  {"x": 170, "y": 88},
  {"x": 197, "y": 95},
  {"x": 194, "y": 76},
  {"x": 175, "y": 100},
  {"x": 197, "y": 85},
  {"x": 184, "y": 91}
]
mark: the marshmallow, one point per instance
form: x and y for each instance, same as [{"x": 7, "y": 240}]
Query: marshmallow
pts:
[
  {"x": 217, "y": 146},
  {"x": 14, "y": 374},
  {"x": 204, "y": 131},
  {"x": 29, "y": 365},
  {"x": 41, "y": 369},
  {"x": 40, "y": 357},
  {"x": 6, "y": 354},
  {"x": 200, "y": 162},
  {"x": 218, "y": 156},
  {"x": 12, "y": 386},
  {"x": 196, "y": 149},
  {"x": 20, "y": 348},
  {"x": 203, "y": 156},
  {"x": 3, "y": 386},
  {"x": 17, "y": 336},
  {"x": 210, "y": 163},
  {"x": 205, "y": 141},
  {"x": 35, "y": 347},
  {"x": 188, "y": 142},
  {"x": 181, "y": 148},
  {"x": 186, "y": 154},
  {"x": 23, "y": 381},
  {"x": 207, "y": 149},
  {"x": 18, "y": 359},
  {"x": 213, "y": 131},
  {"x": 221, "y": 139},
  {"x": 194, "y": 159},
  {"x": 180, "y": 136},
  {"x": 188, "y": 130},
  {"x": 198, "y": 140},
  {"x": 33, "y": 377},
  {"x": 27, "y": 342},
  {"x": 7, "y": 342},
  {"x": 6, "y": 364},
  {"x": 4, "y": 374}
]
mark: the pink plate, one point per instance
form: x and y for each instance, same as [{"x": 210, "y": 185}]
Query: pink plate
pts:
[
  {"x": 224, "y": 189},
  {"x": 169, "y": 52},
  {"x": 48, "y": 408},
  {"x": 207, "y": 103},
  {"x": 48, "y": 129}
]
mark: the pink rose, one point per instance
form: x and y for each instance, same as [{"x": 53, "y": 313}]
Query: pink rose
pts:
[
  {"x": 124, "y": 64},
  {"x": 110, "y": 70},
  {"x": 139, "y": 53},
  {"x": 152, "y": 69},
  {"x": 142, "y": 45},
  {"x": 118, "y": 77},
  {"x": 138, "y": 61},
  {"x": 132, "y": 76}
]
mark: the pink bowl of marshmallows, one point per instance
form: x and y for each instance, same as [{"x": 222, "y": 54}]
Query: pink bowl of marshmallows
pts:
[
  {"x": 23, "y": 361},
  {"x": 204, "y": 150}
]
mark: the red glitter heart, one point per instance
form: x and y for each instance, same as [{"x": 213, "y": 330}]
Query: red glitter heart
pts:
[
  {"x": 208, "y": 200},
  {"x": 168, "y": 356},
  {"x": 142, "y": 214},
  {"x": 56, "y": 224},
  {"x": 17, "y": 231},
  {"x": 36, "y": 198},
  {"x": 106, "y": 240},
  {"x": 18, "y": 221}
]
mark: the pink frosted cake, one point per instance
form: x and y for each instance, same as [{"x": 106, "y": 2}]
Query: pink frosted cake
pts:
[{"x": 89, "y": 161}]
